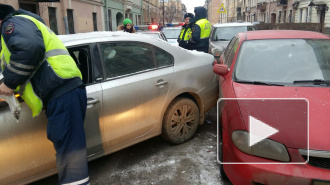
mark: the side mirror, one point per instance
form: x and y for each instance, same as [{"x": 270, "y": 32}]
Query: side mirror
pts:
[{"x": 220, "y": 69}]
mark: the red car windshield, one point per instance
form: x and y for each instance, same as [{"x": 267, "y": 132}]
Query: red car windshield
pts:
[{"x": 284, "y": 61}]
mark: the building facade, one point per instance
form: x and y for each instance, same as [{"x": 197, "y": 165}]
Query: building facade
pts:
[
  {"x": 66, "y": 16},
  {"x": 274, "y": 11}
]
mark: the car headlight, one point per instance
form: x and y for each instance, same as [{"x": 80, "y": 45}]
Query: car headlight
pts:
[
  {"x": 216, "y": 52},
  {"x": 266, "y": 148}
]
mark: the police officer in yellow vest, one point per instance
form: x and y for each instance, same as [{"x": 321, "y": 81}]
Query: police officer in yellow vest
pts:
[
  {"x": 186, "y": 31},
  {"x": 200, "y": 31},
  {"x": 36, "y": 64}
]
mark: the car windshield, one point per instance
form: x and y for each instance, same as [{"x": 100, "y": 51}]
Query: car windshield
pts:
[
  {"x": 285, "y": 61},
  {"x": 227, "y": 33},
  {"x": 171, "y": 33}
]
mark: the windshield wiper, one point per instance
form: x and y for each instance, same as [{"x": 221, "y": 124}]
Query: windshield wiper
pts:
[
  {"x": 259, "y": 83},
  {"x": 315, "y": 82}
]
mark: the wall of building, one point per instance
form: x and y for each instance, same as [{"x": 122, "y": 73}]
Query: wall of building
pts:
[{"x": 212, "y": 10}]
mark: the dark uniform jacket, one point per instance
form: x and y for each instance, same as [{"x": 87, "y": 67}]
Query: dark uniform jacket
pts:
[
  {"x": 182, "y": 43},
  {"x": 25, "y": 42},
  {"x": 196, "y": 43}
]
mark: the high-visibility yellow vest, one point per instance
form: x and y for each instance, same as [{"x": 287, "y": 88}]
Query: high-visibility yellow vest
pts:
[
  {"x": 187, "y": 36},
  {"x": 57, "y": 57},
  {"x": 205, "y": 26}
]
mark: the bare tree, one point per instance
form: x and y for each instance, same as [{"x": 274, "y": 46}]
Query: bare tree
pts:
[{"x": 170, "y": 11}]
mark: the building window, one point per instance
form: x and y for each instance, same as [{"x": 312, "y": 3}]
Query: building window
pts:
[
  {"x": 284, "y": 16},
  {"x": 300, "y": 15},
  {"x": 95, "y": 21},
  {"x": 52, "y": 19},
  {"x": 70, "y": 21},
  {"x": 290, "y": 16},
  {"x": 279, "y": 16},
  {"x": 306, "y": 15}
]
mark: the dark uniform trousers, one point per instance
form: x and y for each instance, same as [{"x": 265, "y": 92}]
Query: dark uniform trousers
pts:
[{"x": 65, "y": 129}]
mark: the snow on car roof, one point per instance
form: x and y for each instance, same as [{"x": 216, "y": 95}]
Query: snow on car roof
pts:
[
  {"x": 233, "y": 24},
  {"x": 82, "y": 38}
]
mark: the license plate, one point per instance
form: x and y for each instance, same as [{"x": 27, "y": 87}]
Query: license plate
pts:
[{"x": 317, "y": 182}]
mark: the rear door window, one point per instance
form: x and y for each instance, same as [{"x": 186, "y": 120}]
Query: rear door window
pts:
[{"x": 126, "y": 58}]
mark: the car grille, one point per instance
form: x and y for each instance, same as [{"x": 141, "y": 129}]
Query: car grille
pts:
[
  {"x": 319, "y": 162},
  {"x": 317, "y": 158}
]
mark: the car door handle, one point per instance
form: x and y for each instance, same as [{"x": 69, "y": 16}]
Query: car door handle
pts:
[
  {"x": 92, "y": 101},
  {"x": 161, "y": 83}
]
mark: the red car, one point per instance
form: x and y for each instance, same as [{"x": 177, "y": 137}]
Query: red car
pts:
[{"x": 282, "y": 79}]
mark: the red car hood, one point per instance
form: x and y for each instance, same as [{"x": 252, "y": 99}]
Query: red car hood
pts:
[{"x": 291, "y": 134}]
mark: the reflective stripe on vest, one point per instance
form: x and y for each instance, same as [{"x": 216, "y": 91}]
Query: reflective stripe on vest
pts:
[
  {"x": 205, "y": 26},
  {"x": 57, "y": 57},
  {"x": 187, "y": 36}
]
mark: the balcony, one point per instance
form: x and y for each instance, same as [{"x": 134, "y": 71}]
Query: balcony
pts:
[{"x": 261, "y": 6}]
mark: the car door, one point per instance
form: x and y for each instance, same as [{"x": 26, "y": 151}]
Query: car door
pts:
[
  {"x": 135, "y": 89},
  {"x": 87, "y": 61},
  {"x": 24, "y": 148},
  {"x": 227, "y": 58}
]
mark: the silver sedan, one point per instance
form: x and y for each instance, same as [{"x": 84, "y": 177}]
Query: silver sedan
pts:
[{"x": 137, "y": 88}]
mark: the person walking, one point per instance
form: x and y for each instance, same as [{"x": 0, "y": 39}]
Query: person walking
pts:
[
  {"x": 36, "y": 64},
  {"x": 201, "y": 31},
  {"x": 186, "y": 31},
  {"x": 127, "y": 26}
]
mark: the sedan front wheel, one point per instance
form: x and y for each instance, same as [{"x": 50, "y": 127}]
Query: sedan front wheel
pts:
[{"x": 180, "y": 121}]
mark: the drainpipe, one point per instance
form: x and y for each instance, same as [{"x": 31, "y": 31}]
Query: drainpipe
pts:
[
  {"x": 65, "y": 17},
  {"x": 309, "y": 17},
  {"x": 105, "y": 2},
  {"x": 268, "y": 18},
  {"x": 141, "y": 12},
  {"x": 149, "y": 13}
]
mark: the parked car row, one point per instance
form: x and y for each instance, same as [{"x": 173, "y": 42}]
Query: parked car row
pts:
[{"x": 137, "y": 88}]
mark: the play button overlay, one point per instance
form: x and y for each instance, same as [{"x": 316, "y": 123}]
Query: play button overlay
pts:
[
  {"x": 259, "y": 131},
  {"x": 262, "y": 130}
]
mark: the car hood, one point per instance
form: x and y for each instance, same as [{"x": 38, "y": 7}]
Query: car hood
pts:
[{"x": 291, "y": 134}]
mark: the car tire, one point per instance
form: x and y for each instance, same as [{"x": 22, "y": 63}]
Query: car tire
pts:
[{"x": 180, "y": 121}]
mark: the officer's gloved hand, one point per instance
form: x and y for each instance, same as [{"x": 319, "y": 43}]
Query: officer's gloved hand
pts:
[{"x": 191, "y": 41}]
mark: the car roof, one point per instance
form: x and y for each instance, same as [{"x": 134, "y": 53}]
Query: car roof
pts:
[
  {"x": 102, "y": 36},
  {"x": 233, "y": 24},
  {"x": 281, "y": 34},
  {"x": 148, "y": 31},
  {"x": 172, "y": 28}
]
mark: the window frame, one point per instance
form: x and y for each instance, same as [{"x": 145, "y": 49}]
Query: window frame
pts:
[{"x": 152, "y": 48}]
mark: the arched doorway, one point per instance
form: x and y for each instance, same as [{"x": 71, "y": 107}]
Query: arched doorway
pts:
[
  {"x": 273, "y": 18},
  {"x": 119, "y": 18}
]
